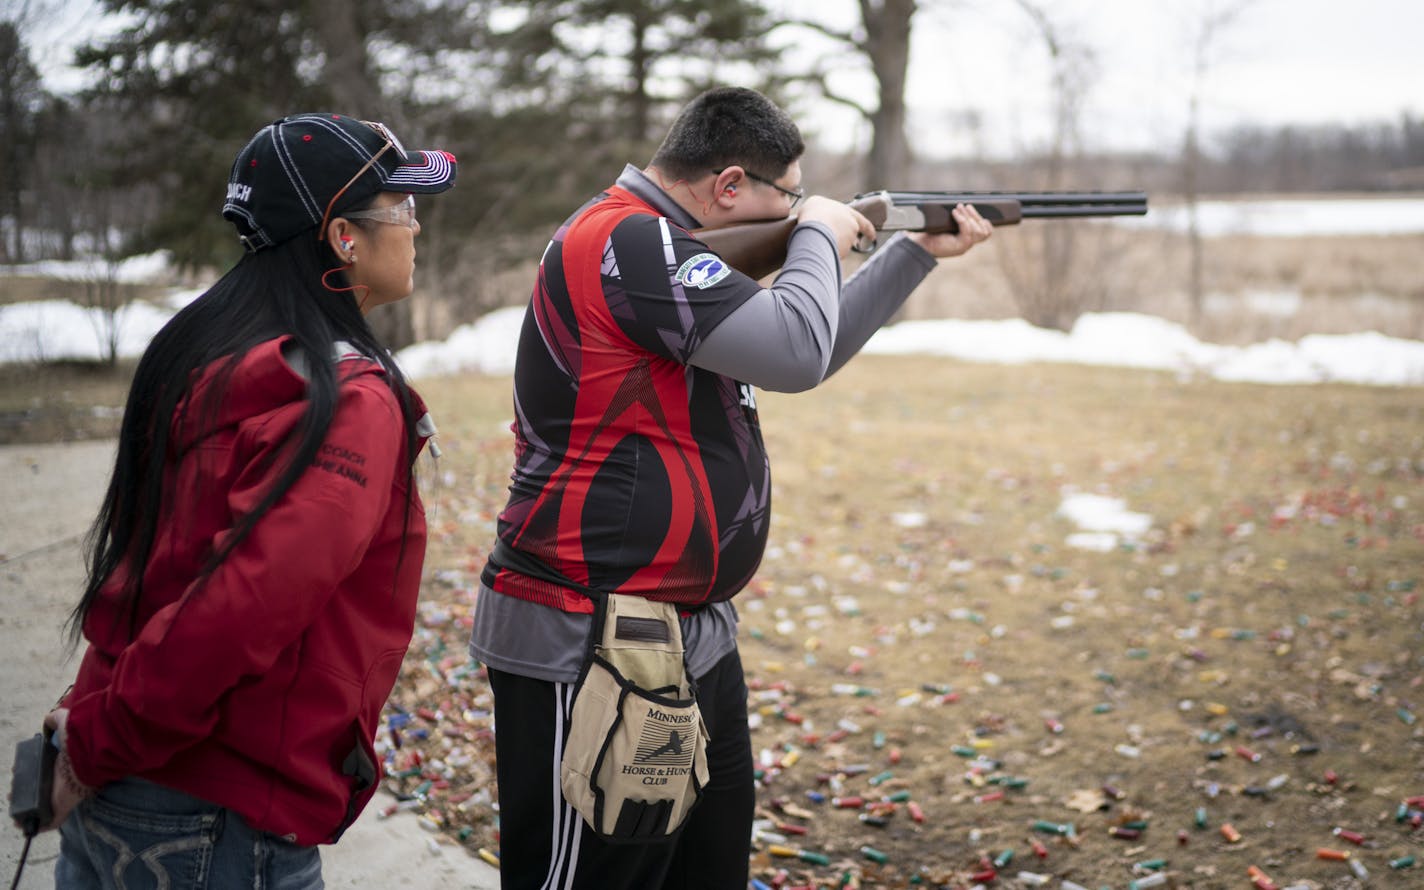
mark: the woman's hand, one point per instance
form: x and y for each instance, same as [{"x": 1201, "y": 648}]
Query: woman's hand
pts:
[{"x": 68, "y": 791}]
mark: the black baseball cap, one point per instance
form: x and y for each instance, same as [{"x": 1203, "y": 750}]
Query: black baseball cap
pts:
[{"x": 298, "y": 169}]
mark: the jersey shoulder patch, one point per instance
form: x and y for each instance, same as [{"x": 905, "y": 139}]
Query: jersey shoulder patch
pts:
[{"x": 703, "y": 270}]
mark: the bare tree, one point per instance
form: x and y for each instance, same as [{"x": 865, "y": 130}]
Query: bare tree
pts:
[
  {"x": 1214, "y": 18},
  {"x": 21, "y": 96},
  {"x": 1055, "y": 276},
  {"x": 882, "y": 40}
]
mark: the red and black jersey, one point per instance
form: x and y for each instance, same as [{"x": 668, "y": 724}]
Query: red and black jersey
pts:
[{"x": 634, "y": 472}]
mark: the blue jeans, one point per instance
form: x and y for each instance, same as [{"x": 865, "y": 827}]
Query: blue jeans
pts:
[{"x": 136, "y": 835}]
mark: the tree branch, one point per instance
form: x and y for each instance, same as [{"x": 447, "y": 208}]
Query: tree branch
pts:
[{"x": 845, "y": 37}]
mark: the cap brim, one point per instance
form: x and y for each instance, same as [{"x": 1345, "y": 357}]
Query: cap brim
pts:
[{"x": 424, "y": 173}]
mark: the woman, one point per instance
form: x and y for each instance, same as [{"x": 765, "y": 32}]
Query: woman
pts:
[{"x": 255, "y": 563}]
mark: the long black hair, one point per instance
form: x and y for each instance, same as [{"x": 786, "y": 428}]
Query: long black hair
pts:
[{"x": 274, "y": 292}]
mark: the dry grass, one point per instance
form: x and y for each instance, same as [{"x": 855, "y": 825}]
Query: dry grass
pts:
[
  {"x": 916, "y": 546},
  {"x": 1346, "y": 284},
  {"x": 34, "y": 288},
  {"x": 62, "y": 401}
]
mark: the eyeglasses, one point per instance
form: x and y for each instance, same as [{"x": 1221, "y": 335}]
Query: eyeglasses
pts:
[
  {"x": 391, "y": 142},
  {"x": 402, "y": 214},
  {"x": 795, "y": 195}
]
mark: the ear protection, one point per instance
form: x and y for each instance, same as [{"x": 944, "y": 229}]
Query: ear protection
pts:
[{"x": 731, "y": 189}]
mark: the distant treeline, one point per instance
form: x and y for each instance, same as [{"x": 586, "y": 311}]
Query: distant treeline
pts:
[
  {"x": 1376, "y": 157},
  {"x": 543, "y": 101},
  {"x": 1292, "y": 159}
]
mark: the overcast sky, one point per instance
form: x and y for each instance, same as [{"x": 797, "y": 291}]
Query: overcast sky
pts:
[{"x": 1281, "y": 61}]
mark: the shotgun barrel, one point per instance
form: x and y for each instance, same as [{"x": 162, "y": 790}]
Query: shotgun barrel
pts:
[
  {"x": 759, "y": 248},
  {"x": 930, "y": 211}
]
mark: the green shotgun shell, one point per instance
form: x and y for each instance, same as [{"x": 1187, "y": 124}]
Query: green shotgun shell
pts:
[
  {"x": 963, "y": 750},
  {"x": 1043, "y": 825},
  {"x": 813, "y": 858},
  {"x": 874, "y": 855},
  {"x": 1201, "y": 817},
  {"x": 1151, "y": 864},
  {"x": 1004, "y": 858},
  {"x": 1401, "y": 862}
]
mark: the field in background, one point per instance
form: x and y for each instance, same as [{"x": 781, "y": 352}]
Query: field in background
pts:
[
  {"x": 1257, "y": 287},
  {"x": 1255, "y": 655},
  {"x": 62, "y": 401},
  {"x": 31, "y": 288}
]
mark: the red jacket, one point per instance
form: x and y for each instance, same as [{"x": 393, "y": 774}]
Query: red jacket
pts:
[{"x": 261, "y": 689}]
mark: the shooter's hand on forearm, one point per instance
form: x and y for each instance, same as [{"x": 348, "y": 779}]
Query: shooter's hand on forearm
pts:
[
  {"x": 847, "y": 224},
  {"x": 973, "y": 228}
]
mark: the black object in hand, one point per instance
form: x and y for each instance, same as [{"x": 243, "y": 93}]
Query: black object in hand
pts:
[{"x": 31, "y": 784}]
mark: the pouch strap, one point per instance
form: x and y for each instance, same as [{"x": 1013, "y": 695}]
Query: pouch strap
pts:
[{"x": 504, "y": 556}]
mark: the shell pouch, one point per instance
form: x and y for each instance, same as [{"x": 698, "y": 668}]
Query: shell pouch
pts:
[{"x": 636, "y": 758}]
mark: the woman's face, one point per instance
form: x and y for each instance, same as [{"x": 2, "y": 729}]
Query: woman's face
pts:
[{"x": 383, "y": 270}]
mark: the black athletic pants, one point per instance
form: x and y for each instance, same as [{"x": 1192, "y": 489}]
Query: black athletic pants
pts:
[{"x": 545, "y": 845}]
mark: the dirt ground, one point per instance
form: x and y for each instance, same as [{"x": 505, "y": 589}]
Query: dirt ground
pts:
[
  {"x": 1237, "y": 688},
  {"x": 50, "y": 493},
  {"x": 1218, "y": 694}
]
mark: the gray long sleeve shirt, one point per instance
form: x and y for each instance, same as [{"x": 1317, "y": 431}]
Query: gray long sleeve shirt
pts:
[{"x": 786, "y": 338}]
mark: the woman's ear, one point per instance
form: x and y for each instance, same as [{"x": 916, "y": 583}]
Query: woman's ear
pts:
[{"x": 339, "y": 234}]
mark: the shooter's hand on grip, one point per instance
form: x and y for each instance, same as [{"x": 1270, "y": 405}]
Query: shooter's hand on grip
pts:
[{"x": 848, "y": 225}]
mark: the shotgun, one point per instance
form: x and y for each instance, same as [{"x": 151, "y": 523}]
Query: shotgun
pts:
[{"x": 759, "y": 248}]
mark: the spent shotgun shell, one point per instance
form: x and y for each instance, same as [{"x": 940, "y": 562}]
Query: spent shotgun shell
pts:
[{"x": 1353, "y": 837}]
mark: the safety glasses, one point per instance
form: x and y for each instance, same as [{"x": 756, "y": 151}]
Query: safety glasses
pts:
[
  {"x": 793, "y": 196},
  {"x": 402, "y": 214},
  {"x": 391, "y": 142}
]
